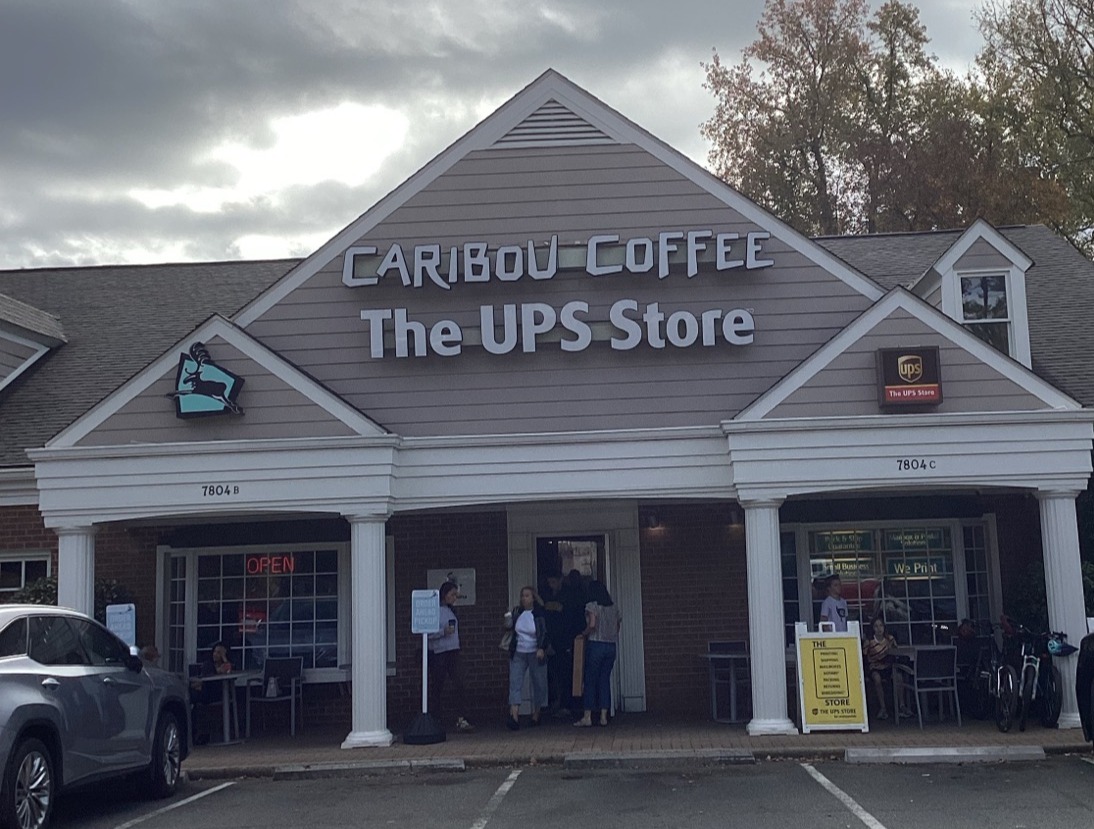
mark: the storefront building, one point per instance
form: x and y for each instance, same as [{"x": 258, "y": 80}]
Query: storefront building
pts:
[{"x": 559, "y": 344}]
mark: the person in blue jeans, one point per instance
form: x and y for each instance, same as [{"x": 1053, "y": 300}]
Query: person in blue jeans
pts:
[
  {"x": 527, "y": 655},
  {"x": 602, "y": 621}
]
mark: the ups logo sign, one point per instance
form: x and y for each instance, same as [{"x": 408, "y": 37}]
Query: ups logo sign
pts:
[{"x": 909, "y": 368}]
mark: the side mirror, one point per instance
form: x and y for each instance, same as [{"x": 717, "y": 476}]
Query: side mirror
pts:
[{"x": 134, "y": 662}]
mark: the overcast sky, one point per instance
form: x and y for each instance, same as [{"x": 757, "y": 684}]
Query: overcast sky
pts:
[{"x": 136, "y": 131}]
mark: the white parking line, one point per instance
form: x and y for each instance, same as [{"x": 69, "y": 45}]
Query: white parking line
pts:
[
  {"x": 197, "y": 796},
  {"x": 844, "y": 798},
  {"x": 495, "y": 801}
]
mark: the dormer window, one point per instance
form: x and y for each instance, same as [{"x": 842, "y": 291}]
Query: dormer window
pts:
[
  {"x": 982, "y": 282},
  {"x": 985, "y": 310}
]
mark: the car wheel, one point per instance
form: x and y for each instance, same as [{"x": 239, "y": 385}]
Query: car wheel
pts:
[
  {"x": 162, "y": 777},
  {"x": 28, "y": 787}
]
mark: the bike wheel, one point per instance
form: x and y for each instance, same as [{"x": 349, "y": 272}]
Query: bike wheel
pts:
[
  {"x": 1006, "y": 699},
  {"x": 1025, "y": 696},
  {"x": 1053, "y": 699}
]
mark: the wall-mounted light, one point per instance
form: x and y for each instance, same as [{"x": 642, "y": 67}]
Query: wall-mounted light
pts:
[
  {"x": 650, "y": 521},
  {"x": 736, "y": 516}
]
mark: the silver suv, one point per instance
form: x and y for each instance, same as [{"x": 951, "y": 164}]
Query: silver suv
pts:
[{"x": 77, "y": 706}]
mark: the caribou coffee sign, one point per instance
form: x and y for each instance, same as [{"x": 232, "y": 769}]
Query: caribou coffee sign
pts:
[
  {"x": 203, "y": 388},
  {"x": 908, "y": 377},
  {"x": 535, "y": 325}
]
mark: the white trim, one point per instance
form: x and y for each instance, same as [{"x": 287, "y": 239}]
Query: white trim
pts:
[
  {"x": 1028, "y": 450},
  {"x": 939, "y": 323},
  {"x": 1017, "y": 311},
  {"x": 216, "y": 326},
  {"x": 39, "y": 351},
  {"x": 978, "y": 230},
  {"x": 551, "y": 86},
  {"x": 18, "y": 488}
]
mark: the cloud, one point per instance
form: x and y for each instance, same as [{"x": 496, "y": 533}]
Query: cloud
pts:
[{"x": 144, "y": 130}]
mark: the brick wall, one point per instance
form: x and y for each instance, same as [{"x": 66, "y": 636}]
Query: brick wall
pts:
[
  {"x": 461, "y": 540},
  {"x": 693, "y": 590}
]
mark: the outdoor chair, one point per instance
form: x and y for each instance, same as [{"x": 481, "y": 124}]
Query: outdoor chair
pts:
[
  {"x": 935, "y": 672},
  {"x": 282, "y": 681},
  {"x": 729, "y": 678}
]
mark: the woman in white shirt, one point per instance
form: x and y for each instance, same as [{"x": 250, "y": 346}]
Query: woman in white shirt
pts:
[
  {"x": 527, "y": 655},
  {"x": 601, "y": 632}
]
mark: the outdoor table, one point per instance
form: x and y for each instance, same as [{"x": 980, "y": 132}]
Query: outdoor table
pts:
[{"x": 229, "y": 706}]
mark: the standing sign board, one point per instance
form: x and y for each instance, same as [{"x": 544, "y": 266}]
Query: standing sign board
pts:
[
  {"x": 425, "y": 611},
  {"x": 831, "y": 684},
  {"x": 121, "y": 620}
]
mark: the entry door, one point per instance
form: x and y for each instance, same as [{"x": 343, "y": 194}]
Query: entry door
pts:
[{"x": 612, "y": 554}]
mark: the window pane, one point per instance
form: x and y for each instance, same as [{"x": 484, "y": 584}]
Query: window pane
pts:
[
  {"x": 984, "y": 297},
  {"x": 13, "y": 638},
  {"x": 34, "y": 570},
  {"x": 995, "y": 334},
  {"x": 53, "y": 642},
  {"x": 11, "y": 575}
]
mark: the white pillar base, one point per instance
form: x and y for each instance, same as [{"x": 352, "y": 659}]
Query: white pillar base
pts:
[
  {"x": 368, "y": 739},
  {"x": 762, "y": 728},
  {"x": 1069, "y": 720}
]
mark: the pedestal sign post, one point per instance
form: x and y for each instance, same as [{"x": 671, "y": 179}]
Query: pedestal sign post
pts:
[{"x": 425, "y": 618}]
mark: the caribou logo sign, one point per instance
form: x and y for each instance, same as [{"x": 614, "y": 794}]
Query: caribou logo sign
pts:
[{"x": 203, "y": 388}]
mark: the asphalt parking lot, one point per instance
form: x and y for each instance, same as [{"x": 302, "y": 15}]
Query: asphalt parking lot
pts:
[{"x": 1057, "y": 792}]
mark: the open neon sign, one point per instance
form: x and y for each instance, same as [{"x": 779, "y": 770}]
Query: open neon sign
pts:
[{"x": 270, "y": 565}]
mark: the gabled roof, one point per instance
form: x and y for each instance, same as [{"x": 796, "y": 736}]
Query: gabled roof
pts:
[
  {"x": 1059, "y": 291},
  {"x": 218, "y": 328},
  {"x": 117, "y": 319},
  {"x": 31, "y": 322},
  {"x": 552, "y": 110},
  {"x": 899, "y": 298}
]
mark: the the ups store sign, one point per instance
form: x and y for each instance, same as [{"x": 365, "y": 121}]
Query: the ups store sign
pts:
[{"x": 908, "y": 377}]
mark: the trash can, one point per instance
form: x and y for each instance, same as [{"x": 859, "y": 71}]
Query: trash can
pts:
[{"x": 1084, "y": 685}]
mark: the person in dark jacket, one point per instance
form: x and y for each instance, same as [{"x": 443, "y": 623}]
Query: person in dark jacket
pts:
[{"x": 527, "y": 655}]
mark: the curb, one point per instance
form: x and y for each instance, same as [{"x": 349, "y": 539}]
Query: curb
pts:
[
  {"x": 318, "y": 771},
  {"x": 618, "y": 759},
  {"x": 929, "y": 754}
]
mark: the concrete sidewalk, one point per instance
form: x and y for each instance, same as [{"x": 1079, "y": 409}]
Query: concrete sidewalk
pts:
[{"x": 630, "y": 738}]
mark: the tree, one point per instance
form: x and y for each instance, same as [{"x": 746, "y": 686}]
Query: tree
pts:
[
  {"x": 44, "y": 591},
  {"x": 1039, "y": 59},
  {"x": 781, "y": 138},
  {"x": 840, "y": 123}
]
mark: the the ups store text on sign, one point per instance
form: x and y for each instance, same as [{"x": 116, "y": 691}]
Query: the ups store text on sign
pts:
[{"x": 908, "y": 377}]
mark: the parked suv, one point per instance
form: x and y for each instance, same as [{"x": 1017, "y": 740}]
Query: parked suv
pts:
[{"x": 77, "y": 706}]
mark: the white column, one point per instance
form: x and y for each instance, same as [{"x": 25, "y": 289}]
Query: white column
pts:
[
  {"x": 368, "y": 581},
  {"x": 1064, "y": 587},
  {"x": 76, "y": 568},
  {"x": 765, "y": 619}
]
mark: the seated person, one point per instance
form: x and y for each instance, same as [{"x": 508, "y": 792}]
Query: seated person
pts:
[
  {"x": 203, "y": 694},
  {"x": 880, "y": 653}
]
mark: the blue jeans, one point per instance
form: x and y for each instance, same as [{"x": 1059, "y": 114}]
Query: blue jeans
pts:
[
  {"x": 518, "y": 665},
  {"x": 599, "y": 661}
]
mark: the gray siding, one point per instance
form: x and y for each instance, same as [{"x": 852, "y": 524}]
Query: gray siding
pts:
[
  {"x": 513, "y": 195},
  {"x": 848, "y": 386},
  {"x": 12, "y": 356},
  {"x": 982, "y": 255},
  {"x": 271, "y": 409}
]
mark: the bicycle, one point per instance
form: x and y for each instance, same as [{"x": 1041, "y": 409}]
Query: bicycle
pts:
[
  {"x": 1039, "y": 679},
  {"x": 996, "y": 683}
]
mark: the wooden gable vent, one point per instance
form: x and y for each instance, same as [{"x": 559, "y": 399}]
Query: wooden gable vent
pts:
[{"x": 553, "y": 125}]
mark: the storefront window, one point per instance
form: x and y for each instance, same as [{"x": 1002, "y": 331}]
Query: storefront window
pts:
[
  {"x": 260, "y": 602},
  {"x": 906, "y": 575}
]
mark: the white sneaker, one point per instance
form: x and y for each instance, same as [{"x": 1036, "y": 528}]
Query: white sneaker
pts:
[{"x": 464, "y": 725}]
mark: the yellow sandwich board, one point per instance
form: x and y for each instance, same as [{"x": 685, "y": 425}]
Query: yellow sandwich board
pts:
[{"x": 831, "y": 685}]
